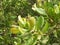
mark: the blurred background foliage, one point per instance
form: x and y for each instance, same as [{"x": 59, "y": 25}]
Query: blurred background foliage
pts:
[{"x": 29, "y": 22}]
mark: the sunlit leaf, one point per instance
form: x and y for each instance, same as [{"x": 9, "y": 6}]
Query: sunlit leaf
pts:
[
  {"x": 56, "y": 9},
  {"x": 21, "y": 22},
  {"x": 39, "y": 10}
]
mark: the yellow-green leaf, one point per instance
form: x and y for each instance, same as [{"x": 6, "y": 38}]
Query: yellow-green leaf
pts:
[{"x": 45, "y": 28}]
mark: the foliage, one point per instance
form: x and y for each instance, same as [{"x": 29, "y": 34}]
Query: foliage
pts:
[{"x": 29, "y": 22}]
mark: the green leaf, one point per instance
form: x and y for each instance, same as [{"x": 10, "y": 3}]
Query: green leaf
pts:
[
  {"x": 40, "y": 22},
  {"x": 39, "y": 10},
  {"x": 21, "y": 30},
  {"x": 31, "y": 41},
  {"x": 45, "y": 28}
]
